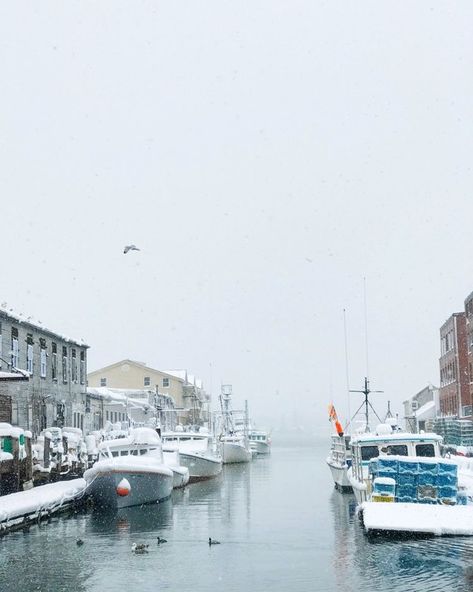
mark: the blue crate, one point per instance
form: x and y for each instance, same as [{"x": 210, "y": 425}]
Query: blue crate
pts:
[
  {"x": 406, "y": 491},
  {"x": 428, "y": 468},
  {"x": 406, "y": 479},
  {"x": 409, "y": 467},
  {"x": 387, "y": 465},
  {"x": 447, "y": 468},
  {"x": 446, "y": 480},
  {"x": 447, "y": 492},
  {"x": 426, "y": 479}
]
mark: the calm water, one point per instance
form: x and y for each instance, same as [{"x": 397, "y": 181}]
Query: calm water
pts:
[{"x": 282, "y": 528}]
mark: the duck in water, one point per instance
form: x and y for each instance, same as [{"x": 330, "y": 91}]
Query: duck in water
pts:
[
  {"x": 139, "y": 549},
  {"x": 213, "y": 542},
  {"x": 161, "y": 541}
]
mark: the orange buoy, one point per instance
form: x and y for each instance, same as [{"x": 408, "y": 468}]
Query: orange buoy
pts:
[
  {"x": 338, "y": 427},
  {"x": 123, "y": 488}
]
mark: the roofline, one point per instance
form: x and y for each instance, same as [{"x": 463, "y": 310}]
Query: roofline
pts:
[
  {"x": 128, "y": 361},
  {"x": 49, "y": 332}
]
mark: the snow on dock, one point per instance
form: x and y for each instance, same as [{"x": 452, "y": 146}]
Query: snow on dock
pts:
[
  {"x": 437, "y": 520},
  {"x": 38, "y": 502}
]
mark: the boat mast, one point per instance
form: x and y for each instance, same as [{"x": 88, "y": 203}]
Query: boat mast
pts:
[{"x": 366, "y": 403}]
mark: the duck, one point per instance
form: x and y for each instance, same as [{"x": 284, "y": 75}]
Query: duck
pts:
[
  {"x": 160, "y": 540},
  {"x": 213, "y": 542},
  {"x": 140, "y": 548},
  {"x": 79, "y": 542}
]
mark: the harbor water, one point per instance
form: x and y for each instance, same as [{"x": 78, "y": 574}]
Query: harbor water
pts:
[{"x": 281, "y": 526}]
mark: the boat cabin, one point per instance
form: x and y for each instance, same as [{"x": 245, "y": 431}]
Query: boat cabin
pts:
[{"x": 141, "y": 441}]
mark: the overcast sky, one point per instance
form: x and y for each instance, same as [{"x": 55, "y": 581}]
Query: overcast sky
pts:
[{"x": 265, "y": 156}]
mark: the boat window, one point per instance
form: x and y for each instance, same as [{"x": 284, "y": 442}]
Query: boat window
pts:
[
  {"x": 425, "y": 450},
  {"x": 115, "y": 453},
  {"x": 124, "y": 453},
  {"x": 134, "y": 452},
  {"x": 400, "y": 449},
  {"x": 143, "y": 451},
  {"x": 369, "y": 452}
]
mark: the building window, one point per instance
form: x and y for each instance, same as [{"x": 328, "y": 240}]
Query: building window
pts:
[
  {"x": 64, "y": 365},
  {"x": 147, "y": 381},
  {"x": 74, "y": 366},
  {"x": 165, "y": 382},
  {"x": 53, "y": 361},
  {"x": 82, "y": 367},
  {"x": 103, "y": 382},
  {"x": 15, "y": 349},
  {"x": 43, "y": 358}
]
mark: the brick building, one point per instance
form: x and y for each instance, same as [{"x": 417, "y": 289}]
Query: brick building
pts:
[
  {"x": 454, "y": 396},
  {"x": 469, "y": 339},
  {"x": 55, "y": 394}
]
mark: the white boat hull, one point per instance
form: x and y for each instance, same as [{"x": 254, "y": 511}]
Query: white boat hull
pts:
[
  {"x": 201, "y": 465},
  {"x": 233, "y": 452},
  {"x": 180, "y": 477},
  {"x": 339, "y": 476},
  {"x": 359, "y": 489},
  {"x": 145, "y": 487},
  {"x": 260, "y": 447}
]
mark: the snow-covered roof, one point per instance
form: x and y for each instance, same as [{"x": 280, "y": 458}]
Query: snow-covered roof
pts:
[
  {"x": 30, "y": 322},
  {"x": 19, "y": 375},
  {"x": 427, "y": 410},
  {"x": 397, "y": 436}
]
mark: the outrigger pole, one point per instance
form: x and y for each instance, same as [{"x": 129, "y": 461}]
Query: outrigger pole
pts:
[{"x": 366, "y": 391}]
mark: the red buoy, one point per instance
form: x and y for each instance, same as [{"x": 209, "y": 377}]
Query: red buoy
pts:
[{"x": 123, "y": 488}]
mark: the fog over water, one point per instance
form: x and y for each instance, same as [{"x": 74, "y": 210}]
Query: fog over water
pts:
[{"x": 265, "y": 158}]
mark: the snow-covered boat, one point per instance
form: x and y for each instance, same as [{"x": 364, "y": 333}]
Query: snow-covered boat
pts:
[
  {"x": 339, "y": 461},
  {"x": 173, "y": 461},
  {"x": 383, "y": 444},
  {"x": 130, "y": 471},
  {"x": 235, "y": 450},
  {"x": 260, "y": 441},
  {"x": 196, "y": 452}
]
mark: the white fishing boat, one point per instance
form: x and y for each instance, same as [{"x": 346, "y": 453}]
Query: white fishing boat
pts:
[
  {"x": 173, "y": 461},
  {"x": 196, "y": 452},
  {"x": 235, "y": 450},
  {"x": 339, "y": 461},
  {"x": 130, "y": 471},
  {"x": 260, "y": 441},
  {"x": 233, "y": 438}
]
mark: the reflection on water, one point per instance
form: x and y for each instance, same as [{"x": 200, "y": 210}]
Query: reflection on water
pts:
[{"x": 282, "y": 528}]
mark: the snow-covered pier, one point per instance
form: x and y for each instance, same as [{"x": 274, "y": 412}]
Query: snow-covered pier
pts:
[
  {"x": 417, "y": 519},
  {"x": 21, "y": 509}
]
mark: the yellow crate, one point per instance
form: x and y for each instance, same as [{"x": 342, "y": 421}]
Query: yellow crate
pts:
[{"x": 383, "y": 498}]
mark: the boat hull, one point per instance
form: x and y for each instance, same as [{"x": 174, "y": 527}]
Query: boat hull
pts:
[
  {"x": 339, "y": 476},
  {"x": 201, "y": 466},
  {"x": 180, "y": 477},
  {"x": 145, "y": 488},
  {"x": 233, "y": 452},
  {"x": 260, "y": 447}
]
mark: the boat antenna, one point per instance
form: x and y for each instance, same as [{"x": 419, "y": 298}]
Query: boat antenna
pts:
[
  {"x": 346, "y": 363},
  {"x": 366, "y": 391},
  {"x": 366, "y": 327}
]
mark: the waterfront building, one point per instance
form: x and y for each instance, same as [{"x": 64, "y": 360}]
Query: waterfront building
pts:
[
  {"x": 421, "y": 409},
  {"x": 189, "y": 397},
  {"x": 454, "y": 395},
  {"x": 469, "y": 340},
  {"x": 55, "y": 393}
]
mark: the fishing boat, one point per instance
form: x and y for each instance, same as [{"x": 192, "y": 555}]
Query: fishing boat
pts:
[
  {"x": 233, "y": 438},
  {"x": 383, "y": 445},
  {"x": 260, "y": 441},
  {"x": 130, "y": 471},
  {"x": 173, "y": 460},
  {"x": 196, "y": 452}
]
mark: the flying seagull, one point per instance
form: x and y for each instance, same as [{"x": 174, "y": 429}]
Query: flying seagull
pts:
[{"x": 130, "y": 248}]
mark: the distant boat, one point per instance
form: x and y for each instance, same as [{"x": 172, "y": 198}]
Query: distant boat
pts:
[
  {"x": 234, "y": 430},
  {"x": 130, "y": 471},
  {"x": 196, "y": 453},
  {"x": 260, "y": 441}
]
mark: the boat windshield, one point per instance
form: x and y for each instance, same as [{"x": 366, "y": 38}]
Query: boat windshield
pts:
[
  {"x": 425, "y": 450},
  {"x": 369, "y": 452},
  {"x": 399, "y": 449}
]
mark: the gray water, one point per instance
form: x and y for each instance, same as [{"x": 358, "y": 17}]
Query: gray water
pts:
[{"x": 281, "y": 525}]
